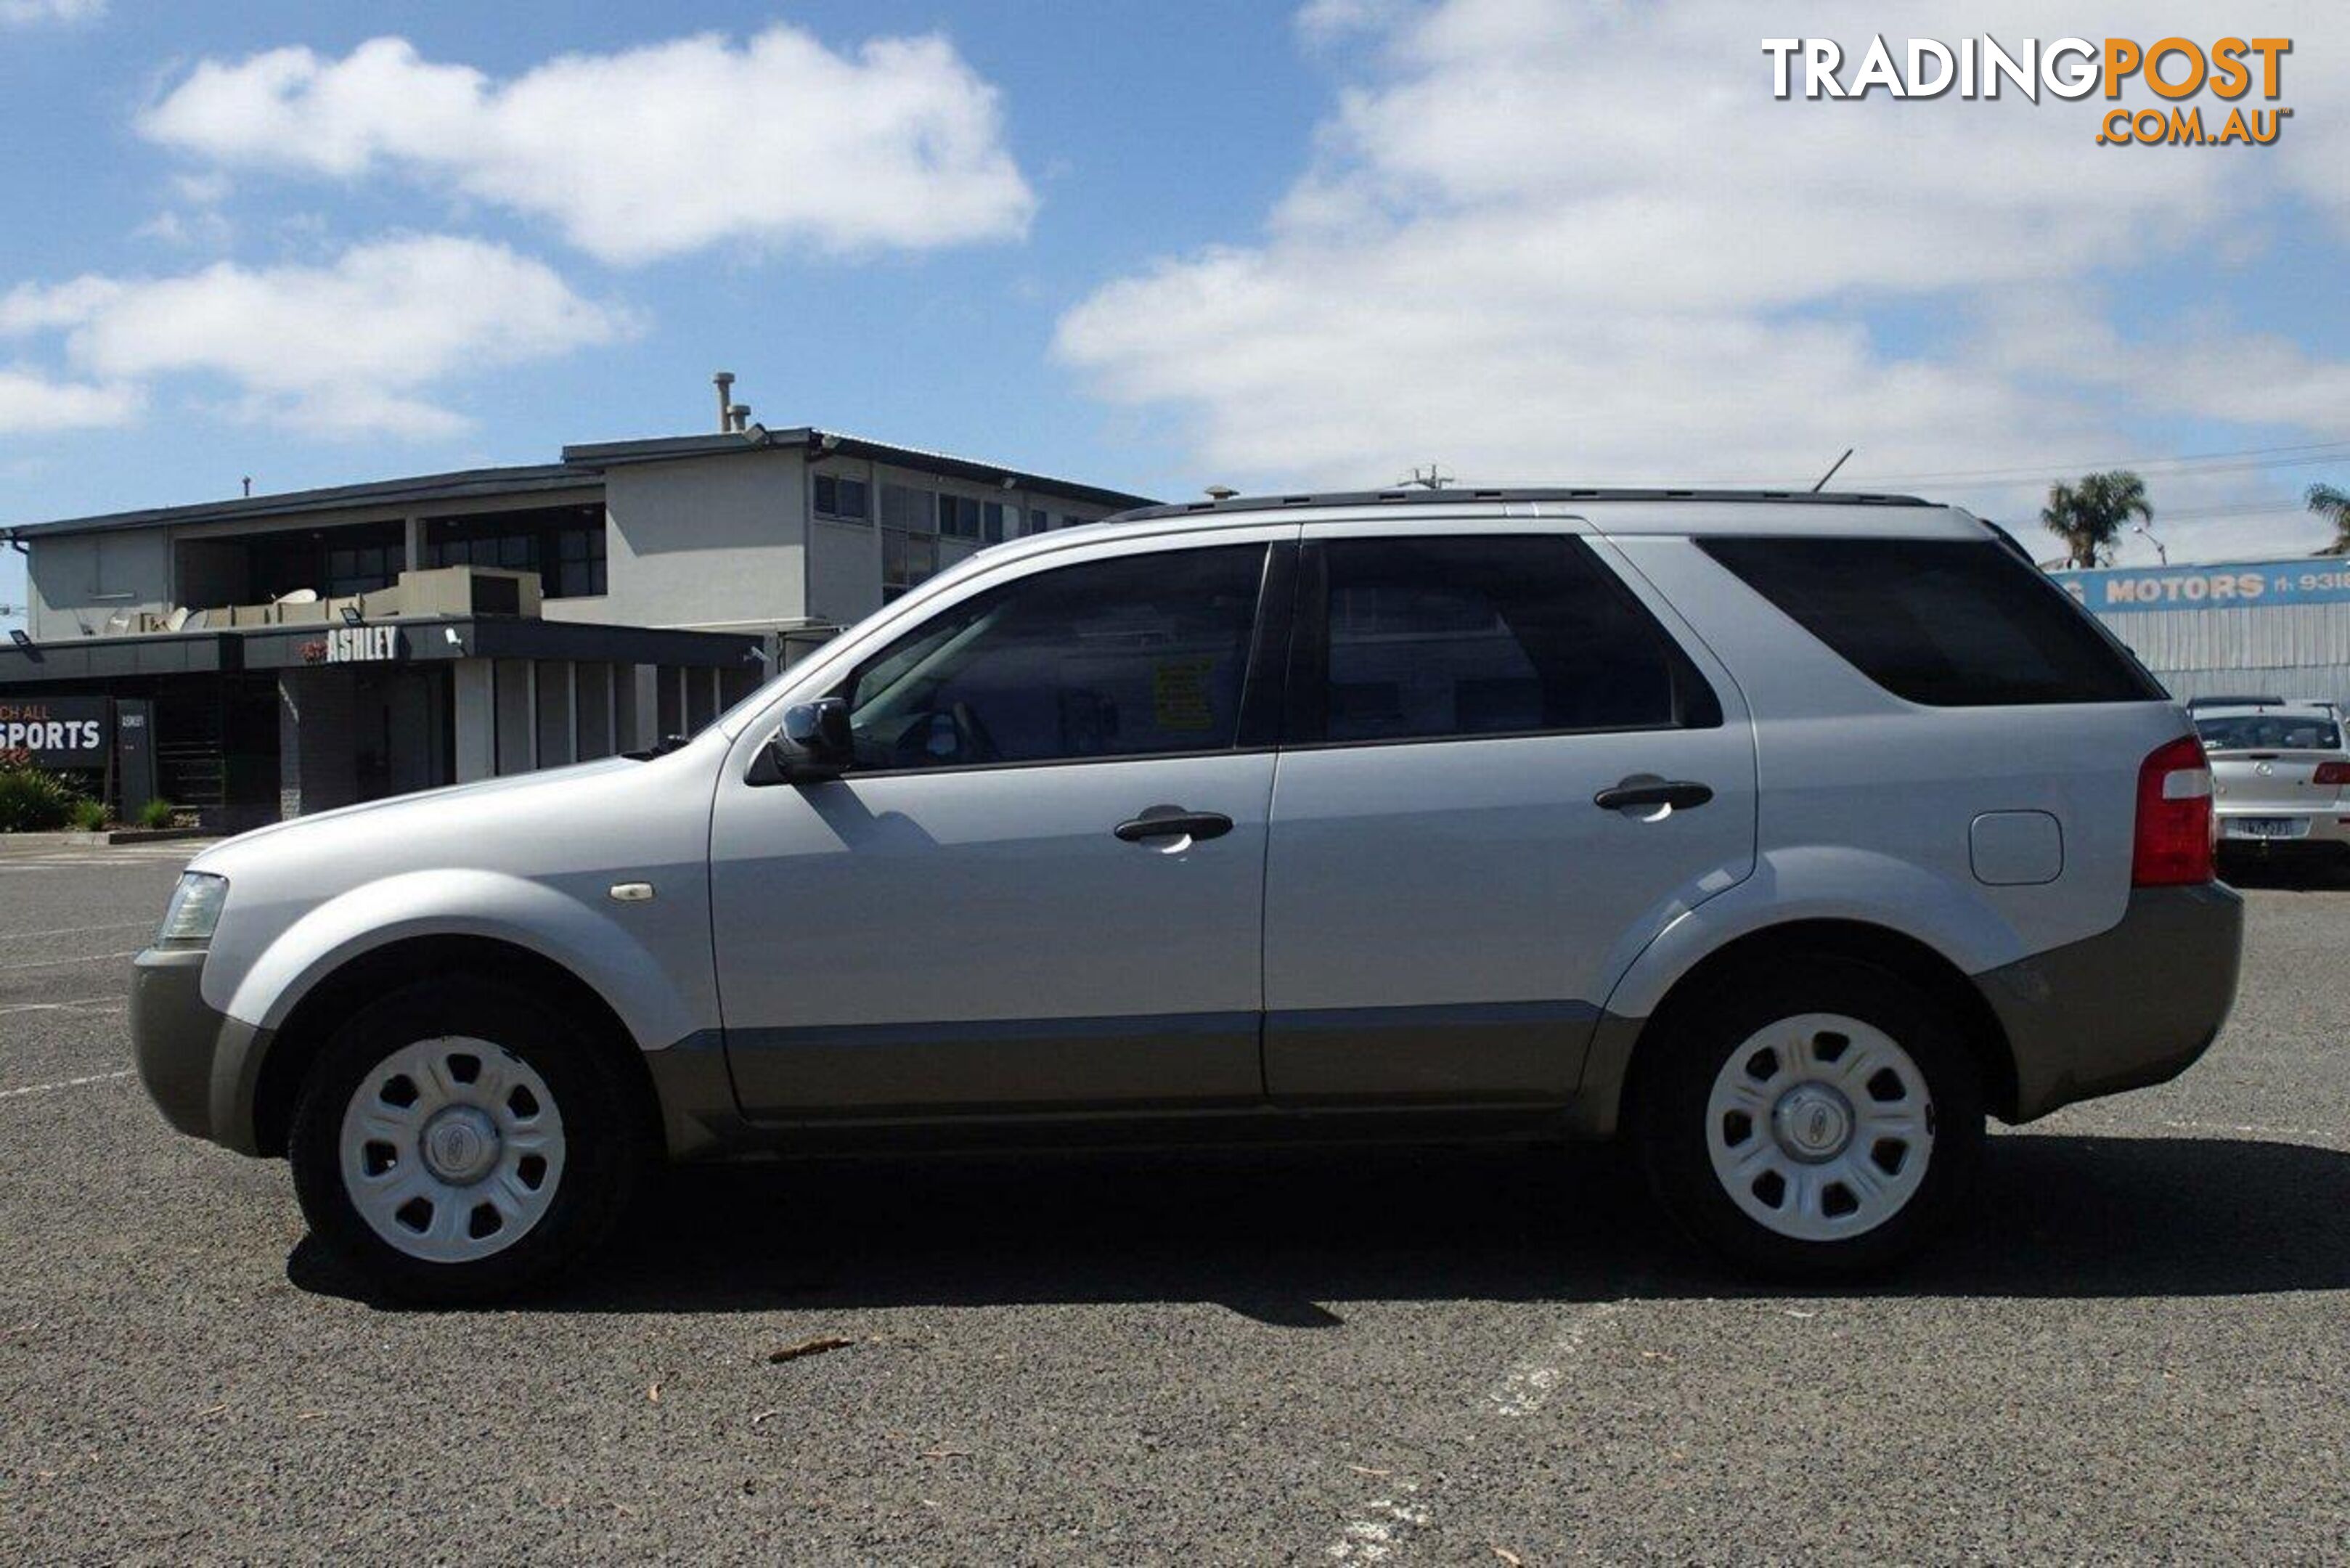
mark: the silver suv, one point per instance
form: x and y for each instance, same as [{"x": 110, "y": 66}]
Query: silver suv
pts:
[{"x": 1784, "y": 836}]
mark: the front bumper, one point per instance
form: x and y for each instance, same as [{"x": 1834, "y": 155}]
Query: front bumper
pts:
[
  {"x": 2131, "y": 1006},
  {"x": 196, "y": 1062}
]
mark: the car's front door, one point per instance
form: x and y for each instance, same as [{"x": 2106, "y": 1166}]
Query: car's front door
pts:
[
  {"x": 1500, "y": 776},
  {"x": 1039, "y": 888}
]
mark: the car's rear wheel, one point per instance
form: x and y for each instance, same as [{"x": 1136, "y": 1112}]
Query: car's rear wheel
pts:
[
  {"x": 1819, "y": 1118},
  {"x": 457, "y": 1141}
]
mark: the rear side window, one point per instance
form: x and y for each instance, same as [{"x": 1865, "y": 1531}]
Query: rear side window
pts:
[
  {"x": 1953, "y": 623},
  {"x": 1437, "y": 638}
]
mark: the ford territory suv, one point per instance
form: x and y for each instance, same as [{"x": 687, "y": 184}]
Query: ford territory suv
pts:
[{"x": 1785, "y": 837}]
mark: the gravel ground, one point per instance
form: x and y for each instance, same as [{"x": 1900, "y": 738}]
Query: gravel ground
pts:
[{"x": 2139, "y": 1349}]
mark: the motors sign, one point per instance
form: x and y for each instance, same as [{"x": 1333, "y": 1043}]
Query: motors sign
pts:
[
  {"x": 2122, "y": 590},
  {"x": 55, "y": 731}
]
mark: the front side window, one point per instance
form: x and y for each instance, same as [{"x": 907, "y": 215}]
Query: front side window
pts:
[
  {"x": 1141, "y": 655},
  {"x": 1493, "y": 635}
]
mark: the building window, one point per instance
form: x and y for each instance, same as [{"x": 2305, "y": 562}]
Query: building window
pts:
[
  {"x": 959, "y": 516},
  {"x": 362, "y": 570},
  {"x": 563, "y": 544},
  {"x": 910, "y": 538},
  {"x": 846, "y": 500},
  {"x": 1039, "y": 520},
  {"x": 995, "y": 520},
  {"x": 1070, "y": 520}
]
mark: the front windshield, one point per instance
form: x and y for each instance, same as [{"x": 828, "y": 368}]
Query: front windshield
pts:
[{"x": 2269, "y": 732}]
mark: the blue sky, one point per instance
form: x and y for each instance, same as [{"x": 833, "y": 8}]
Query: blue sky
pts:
[{"x": 1148, "y": 246}]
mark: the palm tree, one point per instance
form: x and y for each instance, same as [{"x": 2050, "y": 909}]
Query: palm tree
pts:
[
  {"x": 2089, "y": 515},
  {"x": 2332, "y": 503}
]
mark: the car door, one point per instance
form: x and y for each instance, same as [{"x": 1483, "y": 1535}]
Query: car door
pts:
[
  {"x": 1501, "y": 775},
  {"x": 1039, "y": 888}
]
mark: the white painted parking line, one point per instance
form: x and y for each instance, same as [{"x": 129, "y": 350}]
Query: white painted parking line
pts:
[
  {"x": 79, "y": 931},
  {"x": 64, "y": 1084},
  {"x": 95, "y": 1004},
  {"x": 1528, "y": 1386},
  {"x": 1381, "y": 1526},
  {"x": 60, "y": 963}
]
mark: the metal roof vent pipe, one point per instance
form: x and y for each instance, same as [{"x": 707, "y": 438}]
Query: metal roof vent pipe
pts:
[
  {"x": 725, "y": 383},
  {"x": 740, "y": 416}
]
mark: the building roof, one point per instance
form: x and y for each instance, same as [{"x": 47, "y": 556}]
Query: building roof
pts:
[
  {"x": 820, "y": 443},
  {"x": 421, "y": 488},
  {"x": 582, "y": 465}
]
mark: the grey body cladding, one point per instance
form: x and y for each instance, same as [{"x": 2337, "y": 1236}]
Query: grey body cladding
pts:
[{"x": 1521, "y": 1055}]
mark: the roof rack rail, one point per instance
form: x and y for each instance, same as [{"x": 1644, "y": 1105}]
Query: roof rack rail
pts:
[
  {"x": 2195, "y": 702},
  {"x": 1416, "y": 497}
]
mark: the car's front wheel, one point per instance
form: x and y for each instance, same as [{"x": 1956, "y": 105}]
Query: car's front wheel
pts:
[
  {"x": 457, "y": 1141},
  {"x": 1820, "y": 1117}
]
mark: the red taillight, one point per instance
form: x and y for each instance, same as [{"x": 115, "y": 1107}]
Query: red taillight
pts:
[
  {"x": 2174, "y": 817},
  {"x": 2332, "y": 773}
]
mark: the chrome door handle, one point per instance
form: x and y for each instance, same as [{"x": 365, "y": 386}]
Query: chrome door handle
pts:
[
  {"x": 1174, "y": 822},
  {"x": 1681, "y": 795}
]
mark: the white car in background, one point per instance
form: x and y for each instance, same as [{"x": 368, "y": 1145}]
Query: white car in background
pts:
[{"x": 2280, "y": 775}]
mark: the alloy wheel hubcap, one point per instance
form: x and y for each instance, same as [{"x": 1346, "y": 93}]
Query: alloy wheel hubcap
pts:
[
  {"x": 1819, "y": 1127},
  {"x": 451, "y": 1149}
]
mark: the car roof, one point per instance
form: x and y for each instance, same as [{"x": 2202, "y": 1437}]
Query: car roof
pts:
[
  {"x": 1792, "y": 514},
  {"x": 1614, "y": 511}
]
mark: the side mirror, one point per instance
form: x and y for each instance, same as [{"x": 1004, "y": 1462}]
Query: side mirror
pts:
[{"x": 814, "y": 744}]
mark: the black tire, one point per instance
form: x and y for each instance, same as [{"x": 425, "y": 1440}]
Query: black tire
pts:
[
  {"x": 1671, "y": 1119},
  {"x": 606, "y": 1127}
]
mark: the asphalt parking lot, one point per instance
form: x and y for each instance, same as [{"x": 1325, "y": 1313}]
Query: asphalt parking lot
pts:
[{"x": 2139, "y": 1349}]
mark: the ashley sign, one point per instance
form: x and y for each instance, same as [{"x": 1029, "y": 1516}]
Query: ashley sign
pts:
[{"x": 361, "y": 644}]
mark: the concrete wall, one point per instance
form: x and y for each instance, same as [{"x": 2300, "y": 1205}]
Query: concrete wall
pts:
[
  {"x": 703, "y": 541},
  {"x": 77, "y": 583}
]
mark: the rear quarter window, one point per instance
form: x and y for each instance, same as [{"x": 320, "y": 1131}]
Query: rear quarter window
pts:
[{"x": 1951, "y": 623}]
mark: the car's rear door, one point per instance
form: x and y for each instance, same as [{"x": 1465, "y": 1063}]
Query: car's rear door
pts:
[{"x": 1502, "y": 773}]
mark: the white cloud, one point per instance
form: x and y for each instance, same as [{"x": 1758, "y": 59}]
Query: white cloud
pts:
[
  {"x": 33, "y": 13},
  {"x": 1575, "y": 242},
  {"x": 647, "y": 153},
  {"x": 202, "y": 227},
  {"x": 356, "y": 347},
  {"x": 32, "y": 403}
]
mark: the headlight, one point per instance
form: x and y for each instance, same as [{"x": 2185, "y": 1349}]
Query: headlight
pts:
[{"x": 193, "y": 911}]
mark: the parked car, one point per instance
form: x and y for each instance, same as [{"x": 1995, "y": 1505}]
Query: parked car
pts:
[
  {"x": 1785, "y": 837},
  {"x": 2281, "y": 777}
]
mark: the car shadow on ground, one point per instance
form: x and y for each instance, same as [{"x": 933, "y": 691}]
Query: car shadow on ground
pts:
[
  {"x": 1275, "y": 1236},
  {"x": 2287, "y": 875}
]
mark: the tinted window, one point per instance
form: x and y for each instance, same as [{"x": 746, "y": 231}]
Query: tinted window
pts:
[
  {"x": 1951, "y": 622},
  {"x": 2269, "y": 732},
  {"x": 1485, "y": 636},
  {"x": 1137, "y": 656}
]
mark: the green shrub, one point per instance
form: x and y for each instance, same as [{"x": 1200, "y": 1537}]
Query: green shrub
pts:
[
  {"x": 32, "y": 801},
  {"x": 88, "y": 816},
  {"x": 156, "y": 814}
]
